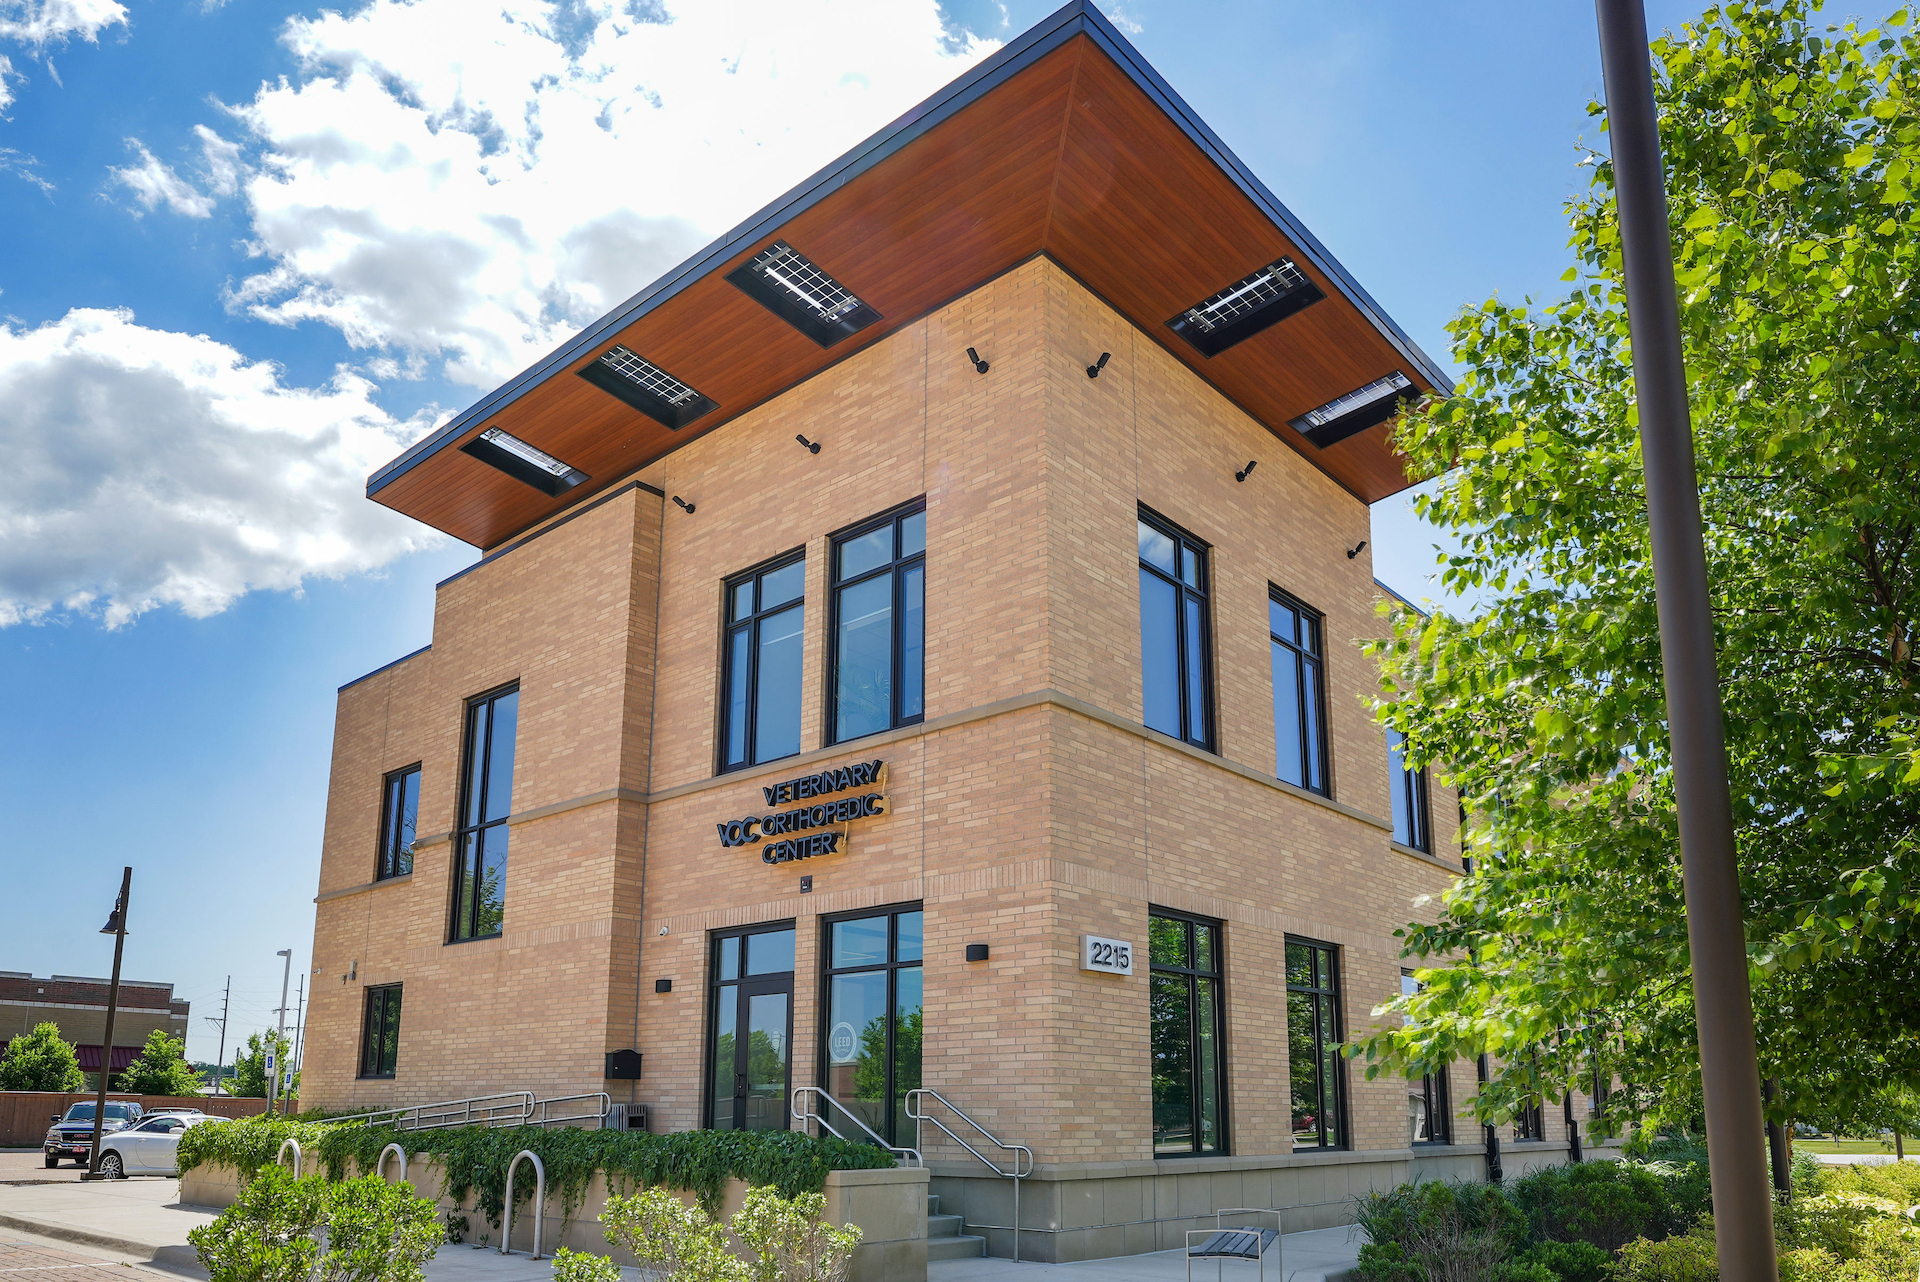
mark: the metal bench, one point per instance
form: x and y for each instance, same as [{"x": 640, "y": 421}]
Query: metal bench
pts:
[{"x": 1223, "y": 1242}]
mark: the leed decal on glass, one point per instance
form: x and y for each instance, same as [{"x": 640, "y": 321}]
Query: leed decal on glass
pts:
[
  {"x": 523, "y": 462},
  {"x": 1358, "y": 410},
  {"x": 640, "y": 383},
  {"x": 788, "y": 284},
  {"x": 1246, "y": 307}
]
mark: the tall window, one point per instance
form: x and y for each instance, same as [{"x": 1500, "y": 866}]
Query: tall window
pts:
[
  {"x": 1176, "y": 655},
  {"x": 1313, "y": 1034},
  {"x": 1188, "y": 1034},
  {"x": 399, "y": 814},
  {"x": 1530, "y": 1123},
  {"x": 879, "y": 625},
  {"x": 380, "y": 1041},
  {"x": 1412, "y": 824},
  {"x": 761, "y": 683},
  {"x": 1299, "y": 691},
  {"x": 874, "y": 1019},
  {"x": 480, "y": 845},
  {"x": 1428, "y": 1114}
]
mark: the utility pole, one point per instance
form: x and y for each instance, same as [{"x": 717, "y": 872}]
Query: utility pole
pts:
[
  {"x": 117, "y": 927},
  {"x": 220, "y": 1060},
  {"x": 299, "y": 1038},
  {"x": 1716, "y": 934},
  {"x": 280, "y": 1028}
]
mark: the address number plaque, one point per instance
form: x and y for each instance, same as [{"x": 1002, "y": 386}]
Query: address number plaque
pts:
[{"x": 1111, "y": 956}]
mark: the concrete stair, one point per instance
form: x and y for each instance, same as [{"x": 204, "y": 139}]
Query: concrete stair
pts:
[{"x": 946, "y": 1238}]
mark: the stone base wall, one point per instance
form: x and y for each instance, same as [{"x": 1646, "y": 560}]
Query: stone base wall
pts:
[{"x": 889, "y": 1206}]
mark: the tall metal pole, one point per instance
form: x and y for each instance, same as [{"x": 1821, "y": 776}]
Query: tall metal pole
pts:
[
  {"x": 1716, "y": 935},
  {"x": 220, "y": 1060},
  {"x": 117, "y": 927},
  {"x": 280, "y": 1029},
  {"x": 299, "y": 1039}
]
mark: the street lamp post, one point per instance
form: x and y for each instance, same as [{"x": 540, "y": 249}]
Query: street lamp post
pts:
[
  {"x": 273, "y": 1051},
  {"x": 1716, "y": 934},
  {"x": 117, "y": 927}
]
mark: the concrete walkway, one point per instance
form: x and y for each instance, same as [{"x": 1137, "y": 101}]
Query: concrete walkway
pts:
[{"x": 1304, "y": 1257}]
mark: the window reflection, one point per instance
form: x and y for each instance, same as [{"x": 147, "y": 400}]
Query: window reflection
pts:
[{"x": 879, "y": 631}]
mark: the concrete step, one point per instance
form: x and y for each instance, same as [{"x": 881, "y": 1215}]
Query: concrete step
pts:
[
  {"x": 961, "y": 1247},
  {"x": 933, "y": 1204},
  {"x": 944, "y": 1226}
]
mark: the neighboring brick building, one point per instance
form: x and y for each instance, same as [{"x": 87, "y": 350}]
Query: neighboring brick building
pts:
[
  {"x": 1016, "y": 721},
  {"x": 79, "y": 1006}
]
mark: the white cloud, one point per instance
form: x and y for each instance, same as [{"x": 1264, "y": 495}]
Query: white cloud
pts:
[
  {"x": 147, "y": 468},
  {"x": 154, "y": 183},
  {"x": 471, "y": 184},
  {"x": 6, "y": 73},
  {"x": 47, "y": 23}
]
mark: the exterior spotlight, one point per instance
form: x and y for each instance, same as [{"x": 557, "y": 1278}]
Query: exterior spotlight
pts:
[
  {"x": 1356, "y": 549},
  {"x": 979, "y": 365},
  {"x": 1246, "y": 471},
  {"x": 976, "y": 952},
  {"x": 1093, "y": 370},
  {"x": 683, "y": 503},
  {"x": 812, "y": 446}
]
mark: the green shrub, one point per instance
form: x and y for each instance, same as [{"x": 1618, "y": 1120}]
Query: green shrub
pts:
[
  {"x": 1457, "y": 1231},
  {"x": 792, "y": 1239},
  {"x": 1607, "y": 1204},
  {"x": 583, "y": 1266},
  {"x": 1688, "y": 1189},
  {"x": 1899, "y": 1181},
  {"x": 1809, "y": 1264},
  {"x": 375, "y": 1231},
  {"x": 1685, "y": 1257},
  {"x": 1575, "y": 1261},
  {"x": 1523, "y": 1271},
  {"x": 672, "y": 1242}
]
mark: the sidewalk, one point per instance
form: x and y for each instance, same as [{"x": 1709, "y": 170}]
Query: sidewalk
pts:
[{"x": 1304, "y": 1257}]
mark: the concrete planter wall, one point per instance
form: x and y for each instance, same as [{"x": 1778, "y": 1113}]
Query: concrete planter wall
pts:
[{"x": 889, "y": 1206}]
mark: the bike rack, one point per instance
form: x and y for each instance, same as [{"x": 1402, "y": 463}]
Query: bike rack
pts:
[
  {"x": 284, "y": 1146},
  {"x": 802, "y": 1114},
  {"x": 539, "y": 1202},
  {"x": 1016, "y": 1172},
  {"x": 380, "y": 1165}
]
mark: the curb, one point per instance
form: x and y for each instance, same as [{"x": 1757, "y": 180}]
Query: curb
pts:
[{"x": 174, "y": 1258}]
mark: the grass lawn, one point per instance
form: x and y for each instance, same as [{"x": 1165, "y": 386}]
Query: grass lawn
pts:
[{"x": 1849, "y": 1146}]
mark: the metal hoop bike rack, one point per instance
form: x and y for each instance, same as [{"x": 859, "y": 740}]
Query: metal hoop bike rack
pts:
[
  {"x": 380, "y": 1164},
  {"x": 803, "y": 1114},
  {"x": 539, "y": 1202},
  {"x": 1015, "y": 1170},
  {"x": 284, "y": 1146}
]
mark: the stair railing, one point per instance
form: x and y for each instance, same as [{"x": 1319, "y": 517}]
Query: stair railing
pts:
[
  {"x": 507, "y": 1108},
  {"x": 595, "y": 1107},
  {"x": 1015, "y": 1169},
  {"x": 803, "y": 1114}
]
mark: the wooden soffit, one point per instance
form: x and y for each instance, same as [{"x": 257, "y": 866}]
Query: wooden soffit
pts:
[{"x": 1065, "y": 143}]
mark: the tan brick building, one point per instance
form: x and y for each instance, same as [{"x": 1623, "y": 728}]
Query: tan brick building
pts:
[{"x": 864, "y": 766}]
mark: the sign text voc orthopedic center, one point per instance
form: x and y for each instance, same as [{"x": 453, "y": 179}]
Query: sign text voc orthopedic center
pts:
[{"x": 801, "y": 819}]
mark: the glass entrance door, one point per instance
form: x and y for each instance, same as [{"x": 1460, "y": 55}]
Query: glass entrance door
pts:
[{"x": 749, "y": 1043}]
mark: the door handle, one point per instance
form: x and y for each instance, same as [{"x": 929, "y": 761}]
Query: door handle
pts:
[{"x": 739, "y": 1084}]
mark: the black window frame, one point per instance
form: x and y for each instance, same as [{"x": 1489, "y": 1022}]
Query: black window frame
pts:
[
  {"x": 836, "y": 587},
  {"x": 1530, "y": 1123},
  {"x": 1223, "y": 1146},
  {"x": 709, "y": 1098},
  {"x": 376, "y": 1043},
  {"x": 462, "y": 831},
  {"x": 893, "y": 966},
  {"x": 1435, "y": 1095},
  {"x": 751, "y": 624},
  {"x": 1317, "y": 748},
  {"x": 1185, "y": 541},
  {"x": 389, "y": 851},
  {"x": 1328, "y": 999},
  {"x": 1410, "y": 790}
]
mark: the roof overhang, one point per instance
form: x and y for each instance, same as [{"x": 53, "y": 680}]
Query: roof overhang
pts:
[{"x": 1064, "y": 143}]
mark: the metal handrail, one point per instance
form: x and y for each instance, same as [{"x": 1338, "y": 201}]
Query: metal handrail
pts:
[
  {"x": 516, "y": 1108},
  {"x": 1016, "y": 1173},
  {"x": 545, "y": 1109},
  {"x": 803, "y": 1115},
  {"x": 539, "y": 1202}
]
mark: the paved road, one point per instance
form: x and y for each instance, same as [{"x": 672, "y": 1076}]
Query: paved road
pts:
[{"x": 27, "y": 1166}]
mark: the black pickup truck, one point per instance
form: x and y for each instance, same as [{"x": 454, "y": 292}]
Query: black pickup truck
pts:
[{"x": 72, "y": 1135}]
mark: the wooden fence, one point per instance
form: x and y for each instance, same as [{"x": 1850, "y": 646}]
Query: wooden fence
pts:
[{"x": 24, "y": 1114}]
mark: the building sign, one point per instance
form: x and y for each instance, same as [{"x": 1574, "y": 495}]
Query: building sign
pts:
[
  {"x": 1113, "y": 956},
  {"x": 830, "y": 815},
  {"x": 841, "y": 1043}
]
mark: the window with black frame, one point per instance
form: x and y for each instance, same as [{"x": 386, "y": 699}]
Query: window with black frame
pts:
[
  {"x": 1186, "y": 1014},
  {"x": 874, "y": 1019},
  {"x": 399, "y": 816},
  {"x": 760, "y": 679},
  {"x": 1176, "y": 650},
  {"x": 1313, "y": 1039},
  {"x": 1428, "y": 1115},
  {"x": 480, "y": 843},
  {"x": 750, "y": 1028},
  {"x": 1412, "y": 821},
  {"x": 879, "y": 630},
  {"x": 1530, "y": 1123},
  {"x": 380, "y": 1036},
  {"x": 1299, "y": 692}
]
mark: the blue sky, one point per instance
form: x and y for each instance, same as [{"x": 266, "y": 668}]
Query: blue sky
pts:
[{"x": 252, "y": 248}]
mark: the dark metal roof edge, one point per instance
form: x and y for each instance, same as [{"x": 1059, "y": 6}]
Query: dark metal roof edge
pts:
[
  {"x": 1078, "y": 17},
  {"x": 382, "y": 668}
]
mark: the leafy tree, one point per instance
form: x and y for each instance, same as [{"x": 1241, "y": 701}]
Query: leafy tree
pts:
[
  {"x": 249, "y": 1079},
  {"x": 1792, "y": 156},
  {"x": 41, "y": 1061},
  {"x": 160, "y": 1069}
]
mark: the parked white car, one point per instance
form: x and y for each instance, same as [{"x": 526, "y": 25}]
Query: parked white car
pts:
[{"x": 151, "y": 1148}]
